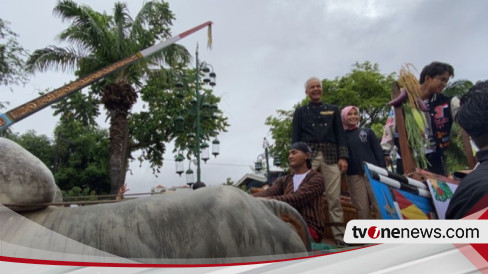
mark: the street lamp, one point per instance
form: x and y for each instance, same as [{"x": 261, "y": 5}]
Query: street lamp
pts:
[
  {"x": 179, "y": 164},
  {"x": 276, "y": 160},
  {"x": 215, "y": 147},
  {"x": 265, "y": 146},
  {"x": 189, "y": 177},
  {"x": 202, "y": 110},
  {"x": 258, "y": 165},
  {"x": 190, "y": 180},
  {"x": 205, "y": 153}
]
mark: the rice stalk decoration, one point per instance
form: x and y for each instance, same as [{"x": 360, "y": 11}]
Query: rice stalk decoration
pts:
[{"x": 414, "y": 118}]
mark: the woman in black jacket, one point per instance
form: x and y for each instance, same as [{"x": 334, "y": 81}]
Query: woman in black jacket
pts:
[{"x": 363, "y": 146}]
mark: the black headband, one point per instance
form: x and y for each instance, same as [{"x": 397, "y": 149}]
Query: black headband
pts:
[{"x": 302, "y": 147}]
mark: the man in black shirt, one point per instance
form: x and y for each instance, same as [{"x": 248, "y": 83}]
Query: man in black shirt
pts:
[
  {"x": 433, "y": 79},
  {"x": 320, "y": 126},
  {"x": 472, "y": 193}
]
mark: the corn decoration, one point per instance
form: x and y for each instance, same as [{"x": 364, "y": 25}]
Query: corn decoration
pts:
[{"x": 414, "y": 118}]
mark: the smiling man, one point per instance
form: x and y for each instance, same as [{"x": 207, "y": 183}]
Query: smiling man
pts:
[
  {"x": 320, "y": 126},
  {"x": 302, "y": 189},
  {"x": 433, "y": 79}
]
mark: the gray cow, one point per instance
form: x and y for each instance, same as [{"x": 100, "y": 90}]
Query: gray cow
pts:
[{"x": 210, "y": 225}]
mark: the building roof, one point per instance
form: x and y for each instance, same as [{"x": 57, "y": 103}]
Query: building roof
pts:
[
  {"x": 251, "y": 178},
  {"x": 257, "y": 180}
]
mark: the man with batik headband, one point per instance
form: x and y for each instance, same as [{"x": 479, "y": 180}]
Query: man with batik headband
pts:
[
  {"x": 302, "y": 189},
  {"x": 320, "y": 126}
]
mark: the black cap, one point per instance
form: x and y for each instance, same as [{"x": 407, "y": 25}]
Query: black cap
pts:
[
  {"x": 306, "y": 149},
  {"x": 301, "y": 146}
]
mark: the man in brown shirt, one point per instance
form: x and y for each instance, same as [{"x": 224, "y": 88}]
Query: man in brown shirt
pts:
[{"x": 302, "y": 189}]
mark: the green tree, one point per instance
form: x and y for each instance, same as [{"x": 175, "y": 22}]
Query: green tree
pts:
[
  {"x": 365, "y": 87},
  {"x": 455, "y": 154},
  {"x": 281, "y": 130},
  {"x": 11, "y": 57},
  {"x": 82, "y": 156},
  {"x": 79, "y": 194},
  {"x": 39, "y": 145},
  {"x": 97, "y": 40},
  {"x": 79, "y": 106},
  {"x": 457, "y": 88},
  {"x": 151, "y": 128},
  {"x": 77, "y": 156},
  {"x": 11, "y": 63}
]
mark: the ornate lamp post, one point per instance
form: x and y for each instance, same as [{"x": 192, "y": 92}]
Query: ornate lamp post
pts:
[
  {"x": 258, "y": 164},
  {"x": 201, "y": 150},
  {"x": 265, "y": 146}
]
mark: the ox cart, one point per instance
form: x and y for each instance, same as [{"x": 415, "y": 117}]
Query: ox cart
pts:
[{"x": 416, "y": 194}]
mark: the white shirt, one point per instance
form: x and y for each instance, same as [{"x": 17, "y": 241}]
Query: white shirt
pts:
[{"x": 297, "y": 180}]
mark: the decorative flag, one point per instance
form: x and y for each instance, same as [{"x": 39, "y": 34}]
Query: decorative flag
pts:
[{"x": 399, "y": 200}]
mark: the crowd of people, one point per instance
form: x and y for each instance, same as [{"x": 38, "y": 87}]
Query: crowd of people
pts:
[{"x": 328, "y": 142}]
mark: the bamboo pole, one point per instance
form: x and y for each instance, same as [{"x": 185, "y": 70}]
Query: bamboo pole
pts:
[
  {"x": 408, "y": 161},
  {"x": 31, "y": 107}
]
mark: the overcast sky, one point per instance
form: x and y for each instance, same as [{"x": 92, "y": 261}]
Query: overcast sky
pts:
[{"x": 263, "y": 52}]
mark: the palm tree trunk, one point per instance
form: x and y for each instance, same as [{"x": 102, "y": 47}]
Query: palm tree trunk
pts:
[
  {"x": 118, "y": 149},
  {"x": 118, "y": 99}
]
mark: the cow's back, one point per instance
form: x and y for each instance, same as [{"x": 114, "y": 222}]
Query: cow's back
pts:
[{"x": 212, "y": 222}]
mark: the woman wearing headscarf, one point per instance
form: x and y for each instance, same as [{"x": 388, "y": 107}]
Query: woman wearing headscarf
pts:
[{"x": 363, "y": 146}]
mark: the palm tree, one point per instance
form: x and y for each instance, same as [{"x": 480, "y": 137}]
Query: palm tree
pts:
[{"x": 97, "y": 40}]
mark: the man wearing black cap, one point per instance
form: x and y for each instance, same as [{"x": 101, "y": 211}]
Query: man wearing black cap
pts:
[
  {"x": 320, "y": 126},
  {"x": 302, "y": 189}
]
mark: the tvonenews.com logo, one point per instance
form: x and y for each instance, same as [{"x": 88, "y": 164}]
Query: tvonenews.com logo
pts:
[
  {"x": 417, "y": 231},
  {"x": 374, "y": 232}
]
